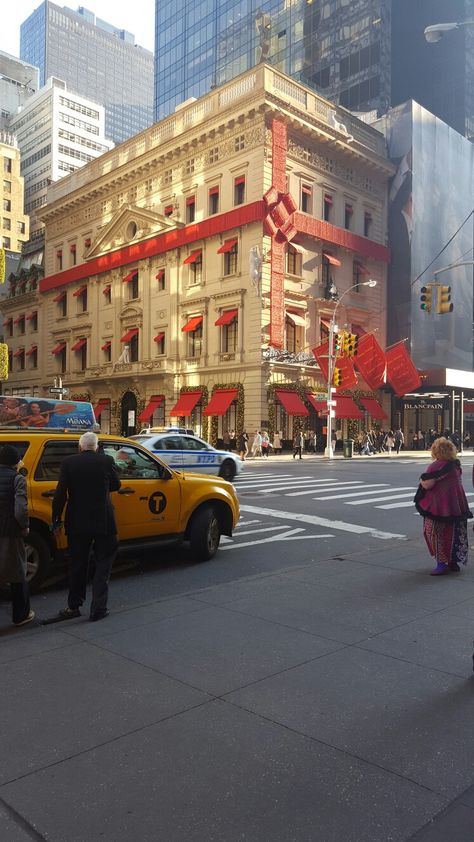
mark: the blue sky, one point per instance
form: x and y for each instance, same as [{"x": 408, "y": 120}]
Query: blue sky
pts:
[{"x": 137, "y": 17}]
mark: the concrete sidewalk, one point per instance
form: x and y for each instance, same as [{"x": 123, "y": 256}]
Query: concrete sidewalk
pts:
[{"x": 327, "y": 702}]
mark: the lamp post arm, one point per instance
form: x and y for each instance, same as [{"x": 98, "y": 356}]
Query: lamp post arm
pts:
[{"x": 453, "y": 265}]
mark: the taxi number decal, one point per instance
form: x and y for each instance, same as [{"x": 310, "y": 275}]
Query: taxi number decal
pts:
[
  {"x": 205, "y": 459},
  {"x": 157, "y": 503}
]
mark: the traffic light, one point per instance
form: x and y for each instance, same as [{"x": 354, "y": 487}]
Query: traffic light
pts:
[
  {"x": 351, "y": 341},
  {"x": 339, "y": 342},
  {"x": 443, "y": 301},
  {"x": 337, "y": 377},
  {"x": 426, "y": 298}
]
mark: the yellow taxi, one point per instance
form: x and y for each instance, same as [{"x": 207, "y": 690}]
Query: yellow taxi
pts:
[{"x": 154, "y": 504}]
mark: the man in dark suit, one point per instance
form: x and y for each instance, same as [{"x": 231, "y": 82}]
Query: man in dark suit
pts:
[{"x": 84, "y": 487}]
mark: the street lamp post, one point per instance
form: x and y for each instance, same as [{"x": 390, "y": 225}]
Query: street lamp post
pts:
[
  {"x": 435, "y": 32},
  {"x": 331, "y": 364}
]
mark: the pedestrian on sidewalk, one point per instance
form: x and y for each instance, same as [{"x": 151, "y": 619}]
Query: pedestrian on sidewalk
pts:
[
  {"x": 298, "y": 444},
  {"x": 257, "y": 444},
  {"x": 243, "y": 445},
  {"x": 84, "y": 487},
  {"x": 277, "y": 443},
  {"x": 14, "y": 527},
  {"x": 265, "y": 444},
  {"x": 389, "y": 442},
  {"x": 442, "y": 503},
  {"x": 399, "y": 440}
]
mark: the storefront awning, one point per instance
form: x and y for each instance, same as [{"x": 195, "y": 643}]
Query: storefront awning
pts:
[
  {"x": 193, "y": 257},
  {"x": 154, "y": 402},
  {"x": 220, "y": 401},
  {"x": 227, "y": 317},
  {"x": 129, "y": 334},
  {"x": 227, "y": 246},
  {"x": 104, "y": 403},
  {"x": 373, "y": 408},
  {"x": 185, "y": 404},
  {"x": 291, "y": 402},
  {"x": 58, "y": 348},
  {"x": 318, "y": 402},
  {"x": 78, "y": 345},
  {"x": 331, "y": 259},
  {"x": 345, "y": 407},
  {"x": 192, "y": 325}
]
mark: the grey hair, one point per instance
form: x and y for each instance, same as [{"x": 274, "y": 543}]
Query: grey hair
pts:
[{"x": 88, "y": 441}]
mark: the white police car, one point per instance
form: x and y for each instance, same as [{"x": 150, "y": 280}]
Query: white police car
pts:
[{"x": 185, "y": 451}]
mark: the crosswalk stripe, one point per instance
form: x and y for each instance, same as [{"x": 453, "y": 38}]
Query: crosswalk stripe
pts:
[
  {"x": 354, "y": 493},
  {"x": 275, "y": 480},
  {"x": 264, "y": 529},
  {"x": 355, "y": 483},
  {"x": 312, "y": 486},
  {"x": 328, "y": 523},
  {"x": 408, "y": 490},
  {"x": 403, "y": 505}
]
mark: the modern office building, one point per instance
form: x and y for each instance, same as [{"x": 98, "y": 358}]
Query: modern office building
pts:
[
  {"x": 57, "y": 133},
  {"x": 14, "y": 224},
  {"x": 342, "y": 47},
  {"x": 208, "y": 249},
  {"x": 96, "y": 60},
  {"x": 18, "y": 81}
]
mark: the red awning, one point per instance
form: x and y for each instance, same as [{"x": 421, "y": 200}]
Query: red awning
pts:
[
  {"x": 19, "y": 353},
  {"x": 72, "y": 247},
  {"x": 291, "y": 402},
  {"x": 227, "y": 246},
  {"x": 154, "y": 402},
  {"x": 160, "y": 274},
  {"x": 227, "y": 317},
  {"x": 192, "y": 325},
  {"x": 239, "y": 180},
  {"x": 159, "y": 336},
  {"x": 7, "y": 321},
  {"x": 362, "y": 269},
  {"x": 349, "y": 209},
  {"x": 106, "y": 345},
  {"x": 194, "y": 256},
  {"x": 373, "y": 408},
  {"x": 297, "y": 317},
  {"x": 191, "y": 200},
  {"x": 328, "y": 200},
  {"x": 58, "y": 348},
  {"x": 31, "y": 316},
  {"x": 306, "y": 189},
  {"x": 345, "y": 407},
  {"x": 185, "y": 404},
  {"x": 104, "y": 403},
  {"x": 78, "y": 345},
  {"x": 330, "y": 259},
  {"x": 106, "y": 289},
  {"x": 129, "y": 334},
  {"x": 19, "y": 319},
  {"x": 32, "y": 350},
  {"x": 213, "y": 191},
  {"x": 80, "y": 291},
  {"x": 220, "y": 401},
  {"x": 319, "y": 405},
  {"x": 130, "y": 276},
  {"x": 59, "y": 297}
]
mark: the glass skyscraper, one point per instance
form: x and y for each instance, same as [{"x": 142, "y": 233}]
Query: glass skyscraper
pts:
[
  {"x": 96, "y": 60},
  {"x": 340, "y": 47}
]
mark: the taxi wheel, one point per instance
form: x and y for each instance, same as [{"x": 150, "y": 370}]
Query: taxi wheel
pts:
[
  {"x": 227, "y": 470},
  {"x": 205, "y": 534},
  {"x": 38, "y": 560}
]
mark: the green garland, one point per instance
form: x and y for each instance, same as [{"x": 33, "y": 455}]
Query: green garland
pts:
[
  {"x": 300, "y": 422},
  {"x": 240, "y": 411}
]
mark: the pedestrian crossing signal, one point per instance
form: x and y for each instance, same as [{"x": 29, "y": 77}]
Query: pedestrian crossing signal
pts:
[
  {"x": 443, "y": 302},
  {"x": 337, "y": 377},
  {"x": 426, "y": 298}
]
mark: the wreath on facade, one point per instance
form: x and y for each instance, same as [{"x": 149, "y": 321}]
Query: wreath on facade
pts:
[
  {"x": 81, "y": 396},
  {"x": 118, "y": 406},
  {"x": 240, "y": 411},
  {"x": 205, "y": 400}
]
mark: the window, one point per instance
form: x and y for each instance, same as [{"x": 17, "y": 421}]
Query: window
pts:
[
  {"x": 20, "y": 322},
  {"x": 195, "y": 271},
  {"x": 229, "y": 337},
  {"x": 59, "y": 260},
  {"x": 133, "y": 287},
  {"x": 33, "y": 322},
  {"x": 7, "y": 205},
  {"x": 213, "y": 200},
  {"x": 6, "y": 242},
  {"x": 72, "y": 250},
  {"x": 54, "y": 452},
  {"x": 7, "y": 224},
  {"x": 107, "y": 350},
  {"x": 80, "y": 352},
  {"x": 230, "y": 260},
  {"x": 7, "y": 186},
  {"x": 324, "y": 330},
  {"x": 326, "y": 273},
  {"x": 160, "y": 343},
  {"x": 290, "y": 336},
  {"x": 62, "y": 306},
  {"x": 168, "y": 211},
  {"x": 214, "y": 155},
  {"x": 327, "y": 207},
  {"x": 134, "y": 348},
  {"x": 306, "y": 198},
  {"x": 81, "y": 296},
  {"x": 132, "y": 463},
  {"x": 161, "y": 279},
  {"x": 239, "y": 190},
  {"x": 367, "y": 223},
  {"x": 20, "y": 228},
  {"x": 107, "y": 293},
  {"x": 195, "y": 342},
  {"x": 348, "y": 211},
  {"x": 190, "y": 209},
  {"x": 239, "y": 143},
  {"x": 7, "y": 165},
  {"x": 293, "y": 261},
  {"x": 356, "y": 276}
]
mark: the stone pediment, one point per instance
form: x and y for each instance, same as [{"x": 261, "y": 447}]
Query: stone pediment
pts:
[
  {"x": 130, "y": 225},
  {"x": 131, "y": 313}
]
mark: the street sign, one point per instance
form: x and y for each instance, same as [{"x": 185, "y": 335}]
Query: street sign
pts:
[{"x": 58, "y": 390}]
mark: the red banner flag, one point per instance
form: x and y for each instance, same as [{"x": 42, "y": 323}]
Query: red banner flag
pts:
[
  {"x": 322, "y": 355},
  {"x": 370, "y": 361},
  {"x": 401, "y": 372},
  {"x": 348, "y": 375}
]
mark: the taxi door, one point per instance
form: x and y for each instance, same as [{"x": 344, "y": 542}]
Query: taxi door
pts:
[{"x": 147, "y": 504}]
